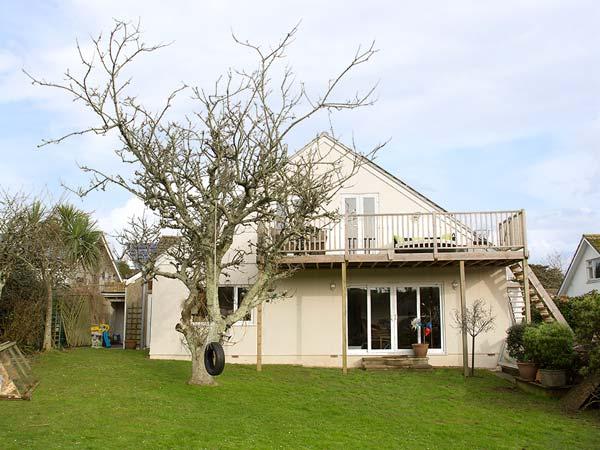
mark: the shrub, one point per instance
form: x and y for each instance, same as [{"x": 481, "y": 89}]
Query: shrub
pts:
[
  {"x": 550, "y": 345},
  {"x": 585, "y": 313},
  {"x": 514, "y": 342}
]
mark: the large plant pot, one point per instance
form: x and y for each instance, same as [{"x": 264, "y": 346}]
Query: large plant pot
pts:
[
  {"x": 130, "y": 344},
  {"x": 420, "y": 350},
  {"x": 527, "y": 370},
  {"x": 553, "y": 378}
]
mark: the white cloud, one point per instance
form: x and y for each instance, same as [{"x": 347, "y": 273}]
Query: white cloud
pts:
[{"x": 116, "y": 219}]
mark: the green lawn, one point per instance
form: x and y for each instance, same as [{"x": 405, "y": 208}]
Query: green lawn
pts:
[{"x": 120, "y": 399}]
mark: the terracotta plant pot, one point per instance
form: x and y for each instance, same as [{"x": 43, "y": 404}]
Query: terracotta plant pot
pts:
[
  {"x": 553, "y": 378},
  {"x": 527, "y": 370},
  {"x": 130, "y": 344},
  {"x": 420, "y": 350}
]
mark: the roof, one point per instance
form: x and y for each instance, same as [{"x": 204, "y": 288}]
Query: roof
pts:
[
  {"x": 111, "y": 256},
  {"x": 593, "y": 240},
  {"x": 370, "y": 163}
]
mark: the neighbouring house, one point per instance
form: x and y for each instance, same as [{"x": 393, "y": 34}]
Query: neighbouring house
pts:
[
  {"x": 105, "y": 290},
  {"x": 396, "y": 255},
  {"x": 583, "y": 274}
]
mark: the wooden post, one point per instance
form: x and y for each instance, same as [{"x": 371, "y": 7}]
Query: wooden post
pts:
[
  {"x": 259, "y": 319},
  {"x": 435, "y": 239},
  {"x": 526, "y": 291},
  {"x": 463, "y": 312},
  {"x": 525, "y": 268},
  {"x": 344, "y": 333}
]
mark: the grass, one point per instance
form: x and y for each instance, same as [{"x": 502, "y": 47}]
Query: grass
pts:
[{"x": 120, "y": 399}]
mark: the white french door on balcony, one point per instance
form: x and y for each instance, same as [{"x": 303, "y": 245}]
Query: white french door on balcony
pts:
[{"x": 360, "y": 232}]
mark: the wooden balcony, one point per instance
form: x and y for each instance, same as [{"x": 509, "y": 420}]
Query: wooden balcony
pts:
[
  {"x": 413, "y": 239},
  {"x": 112, "y": 287}
]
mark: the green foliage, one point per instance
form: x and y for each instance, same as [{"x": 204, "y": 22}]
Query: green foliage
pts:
[
  {"x": 80, "y": 236},
  {"x": 550, "y": 345},
  {"x": 585, "y": 321},
  {"x": 514, "y": 342},
  {"x": 124, "y": 269},
  {"x": 98, "y": 398},
  {"x": 565, "y": 305},
  {"x": 551, "y": 277},
  {"x": 22, "y": 309}
]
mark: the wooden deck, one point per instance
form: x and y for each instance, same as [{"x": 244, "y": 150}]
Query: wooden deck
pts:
[{"x": 496, "y": 238}]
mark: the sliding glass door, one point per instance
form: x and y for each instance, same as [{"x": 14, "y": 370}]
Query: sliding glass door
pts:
[
  {"x": 406, "y": 307},
  {"x": 380, "y": 317}
]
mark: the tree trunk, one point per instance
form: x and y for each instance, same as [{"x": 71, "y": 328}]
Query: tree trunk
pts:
[
  {"x": 473, "y": 357},
  {"x": 48, "y": 325},
  {"x": 200, "y": 376}
]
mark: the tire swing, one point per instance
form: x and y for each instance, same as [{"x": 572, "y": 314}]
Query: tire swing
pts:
[{"x": 214, "y": 358}]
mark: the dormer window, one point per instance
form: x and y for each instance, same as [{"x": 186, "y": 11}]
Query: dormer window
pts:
[{"x": 593, "y": 269}]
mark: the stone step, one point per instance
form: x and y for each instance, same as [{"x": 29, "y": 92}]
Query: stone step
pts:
[{"x": 395, "y": 362}]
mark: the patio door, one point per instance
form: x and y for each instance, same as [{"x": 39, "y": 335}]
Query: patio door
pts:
[
  {"x": 360, "y": 231},
  {"x": 423, "y": 302},
  {"x": 380, "y": 318},
  {"x": 370, "y": 319}
]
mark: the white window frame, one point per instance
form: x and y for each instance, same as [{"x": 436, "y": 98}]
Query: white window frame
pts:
[
  {"x": 393, "y": 287},
  {"x": 236, "y": 288},
  {"x": 590, "y": 266},
  {"x": 359, "y": 204},
  {"x": 359, "y": 210}
]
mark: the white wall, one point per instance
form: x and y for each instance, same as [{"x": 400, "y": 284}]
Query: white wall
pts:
[
  {"x": 578, "y": 284},
  {"x": 305, "y": 328}
]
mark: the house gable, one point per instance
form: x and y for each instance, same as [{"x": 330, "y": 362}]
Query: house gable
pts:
[
  {"x": 575, "y": 282},
  {"x": 394, "y": 195}
]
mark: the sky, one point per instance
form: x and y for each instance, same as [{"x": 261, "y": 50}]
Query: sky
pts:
[{"x": 486, "y": 105}]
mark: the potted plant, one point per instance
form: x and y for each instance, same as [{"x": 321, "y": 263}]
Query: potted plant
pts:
[
  {"x": 516, "y": 350},
  {"x": 551, "y": 347},
  {"x": 420, "y": 350}
]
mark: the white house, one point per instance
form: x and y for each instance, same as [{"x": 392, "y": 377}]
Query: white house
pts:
[
  {"x": 397, "y": 255},
  {"x": 583, "y": 274}
]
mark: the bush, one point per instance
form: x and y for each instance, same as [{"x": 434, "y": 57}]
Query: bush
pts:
[
  {"x": 585, "y": 312},
  {"x": 550, "y": 345},
  {"x": 514, "y": 342},
  {"x": 22, "y": 310}
]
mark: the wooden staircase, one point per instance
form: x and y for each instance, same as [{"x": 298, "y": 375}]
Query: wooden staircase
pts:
[
  {"x": 395, "y": 362},
  {"x": 16, "y": 380},
  {"x": 539, "y": 298}
]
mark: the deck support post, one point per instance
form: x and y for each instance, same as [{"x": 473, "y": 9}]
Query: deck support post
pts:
[
  {"x": 259, "y": 322},
  {"x": 463, "y": 312},
  {"x": 525, "y": 265},
  {"x": 526, "y": 295},
  {"x": 344, "y": 332}
]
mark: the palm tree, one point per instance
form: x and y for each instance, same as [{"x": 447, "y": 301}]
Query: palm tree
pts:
[{"x": 65, "y": 240}]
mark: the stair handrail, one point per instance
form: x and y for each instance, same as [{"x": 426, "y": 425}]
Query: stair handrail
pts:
[{"x": 546, "y": 298}]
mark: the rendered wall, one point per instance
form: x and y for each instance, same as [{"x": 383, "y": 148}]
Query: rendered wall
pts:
[{"x": 305, "y": 328}]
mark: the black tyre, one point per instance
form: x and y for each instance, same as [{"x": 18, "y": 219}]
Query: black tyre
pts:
[{"x": 214, "y": 359}]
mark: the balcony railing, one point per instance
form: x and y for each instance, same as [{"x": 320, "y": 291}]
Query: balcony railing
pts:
[
  {"x": 112, "y": 287},
  {"x": 412, "y": 233}
]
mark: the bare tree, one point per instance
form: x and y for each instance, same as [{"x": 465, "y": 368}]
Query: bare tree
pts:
[
  {"x": 221, "y": 171},
  {"x": 13, "y": 233},
  {"x": 476, "y": 320}
]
